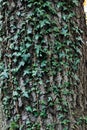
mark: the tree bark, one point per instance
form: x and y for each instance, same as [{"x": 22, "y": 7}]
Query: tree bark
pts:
[{"x": 40, "y": 89}]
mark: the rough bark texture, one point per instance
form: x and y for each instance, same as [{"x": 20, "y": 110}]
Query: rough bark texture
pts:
[
  {"x": 3, "y": 124},
  {"x": 42, "y": 93}
]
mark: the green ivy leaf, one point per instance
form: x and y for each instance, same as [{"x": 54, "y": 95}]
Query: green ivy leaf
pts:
[{"x": 29, "y": 109}]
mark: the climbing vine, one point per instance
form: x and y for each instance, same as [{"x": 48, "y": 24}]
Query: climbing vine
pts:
[{"x": 40, "y": 53}]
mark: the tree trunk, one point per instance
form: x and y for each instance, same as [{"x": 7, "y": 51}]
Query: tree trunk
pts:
[{"x": 43, "y": 64}]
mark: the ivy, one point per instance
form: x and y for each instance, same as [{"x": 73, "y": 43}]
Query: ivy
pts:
[{"x": 40, "y": 55}]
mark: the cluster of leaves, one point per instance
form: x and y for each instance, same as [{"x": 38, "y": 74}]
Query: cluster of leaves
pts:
[{"x": 40, "y": 53}]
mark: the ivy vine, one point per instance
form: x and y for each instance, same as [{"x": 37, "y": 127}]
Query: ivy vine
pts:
[{"x": 40, "y": 54}]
